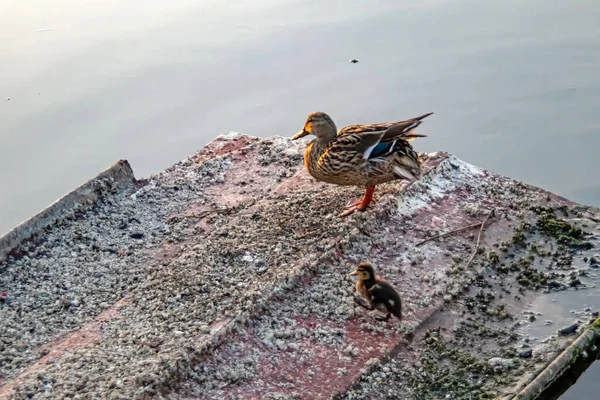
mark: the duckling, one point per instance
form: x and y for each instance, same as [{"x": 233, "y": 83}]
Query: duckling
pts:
[
  {"x": 377, "y": 293},
  {"x": 361, "y": 155}
]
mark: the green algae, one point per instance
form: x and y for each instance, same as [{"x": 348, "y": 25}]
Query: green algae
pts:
[
  {"x": 564, "y": 233},
  {"x": 452, "y": 371},
  {"x": 493, "y": 257},
  {"x": 532, "y": 279},
  {"x": 540, "y": 251}
]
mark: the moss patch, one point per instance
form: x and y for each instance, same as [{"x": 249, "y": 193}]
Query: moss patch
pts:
[
  {"x": 493, "y": 258},
  {"x": 451, "y": 371},
  {"x": 519, "y": 237},
  {"x": 564, "y": 233},
  {"x": 532, "y": 279}
]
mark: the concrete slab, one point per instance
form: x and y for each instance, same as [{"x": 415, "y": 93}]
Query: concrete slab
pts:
[{"x": 226, "y": 276}]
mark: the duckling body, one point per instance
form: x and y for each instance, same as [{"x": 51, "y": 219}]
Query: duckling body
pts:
[
  {"x": 379, "y": 294},
  {"x": 361, "y": 155}
]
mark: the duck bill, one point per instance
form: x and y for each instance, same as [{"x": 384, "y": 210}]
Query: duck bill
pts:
[
  {"x": 300, "y": 134},
  {"x": 353, "y": 273}
]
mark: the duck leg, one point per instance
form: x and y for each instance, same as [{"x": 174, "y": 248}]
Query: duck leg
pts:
[
  {"x": 360, "y": 205},
  {"x": 383, "y": 319},
  {"x": 363, "y": 303}
]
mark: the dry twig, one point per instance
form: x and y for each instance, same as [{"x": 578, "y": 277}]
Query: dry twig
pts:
[
  {"x": 491, "y": 213},
  {"x": 441, "y": 235}
]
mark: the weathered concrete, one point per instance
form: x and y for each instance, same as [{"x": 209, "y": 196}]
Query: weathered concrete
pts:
[
  {"x": 226, "y": 277},
  {"x": 118, "y": 177}
]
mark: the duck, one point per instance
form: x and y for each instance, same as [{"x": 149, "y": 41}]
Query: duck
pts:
[
  {"x": 376, "y": 292},
  {"x": 361, "y": 155}
]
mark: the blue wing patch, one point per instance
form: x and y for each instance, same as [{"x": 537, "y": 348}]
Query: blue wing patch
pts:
[{"x": 382, "y": 149}]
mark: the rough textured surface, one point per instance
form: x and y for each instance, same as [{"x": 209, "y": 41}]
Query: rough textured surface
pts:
[{"x": 226, "y": 276}]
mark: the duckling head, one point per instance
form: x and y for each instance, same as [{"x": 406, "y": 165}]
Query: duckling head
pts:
[
  {"x": 364, "y": 271},
  {"x": 319, "y": 124}
]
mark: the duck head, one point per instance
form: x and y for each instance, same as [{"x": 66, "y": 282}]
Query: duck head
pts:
[
  {"x": 320, "y": 125},
  {"x": 364, "y": 272}
]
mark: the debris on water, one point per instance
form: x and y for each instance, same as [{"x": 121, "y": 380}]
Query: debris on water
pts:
[
  {"x": 44, "y": 29},
  {"x": 8, "y": 98},
  {"x": 567, "y": 330},
  {"x": 354, "y": 61}
]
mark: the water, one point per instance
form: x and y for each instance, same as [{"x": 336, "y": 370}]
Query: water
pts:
[{"x": 514, "y": 85}]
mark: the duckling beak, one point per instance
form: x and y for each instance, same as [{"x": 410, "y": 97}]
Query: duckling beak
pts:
[
  {"x": 301, "y": 134},
  {"x": 353, "y": 273}
]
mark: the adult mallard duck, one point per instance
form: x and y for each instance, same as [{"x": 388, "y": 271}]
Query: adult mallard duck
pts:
[
  {"x": 377, "y": 292},
  {"x": 361, "y": 155}
]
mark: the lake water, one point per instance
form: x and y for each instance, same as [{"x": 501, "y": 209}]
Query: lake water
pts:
[{"x": 515, "y": 85}]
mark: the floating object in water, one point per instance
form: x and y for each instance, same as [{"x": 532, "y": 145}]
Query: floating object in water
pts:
[
  {"x": 354, "y": 61},
  {"x": 44, "y": 29}
]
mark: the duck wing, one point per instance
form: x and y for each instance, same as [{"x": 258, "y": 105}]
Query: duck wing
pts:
[
  {"x": 390, "y": 130},
  {"x": 378, "y": 141},
  {"x": 383, "y": 293}
]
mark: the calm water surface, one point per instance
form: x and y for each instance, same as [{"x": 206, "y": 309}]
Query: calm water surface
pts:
[{"x": 515, "y": 85}]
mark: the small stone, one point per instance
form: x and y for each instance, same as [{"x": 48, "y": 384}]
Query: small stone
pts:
[
  {"x": 136, "y": 235},
  {"x": 527, "y": 353},
  {"x": 567, "y": 330},
  {"x": 501, "y": 362},
  {"x": 163, "y": 228}
]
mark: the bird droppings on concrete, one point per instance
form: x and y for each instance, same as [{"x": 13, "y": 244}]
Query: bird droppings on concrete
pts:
[{"x": 226, "y": 276}]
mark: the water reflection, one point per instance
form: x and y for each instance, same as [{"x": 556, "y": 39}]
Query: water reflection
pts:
[{"x": 514, "y": 85}]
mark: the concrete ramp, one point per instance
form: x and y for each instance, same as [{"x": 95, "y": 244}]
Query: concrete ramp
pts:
[{"x": 226, "y": 277}]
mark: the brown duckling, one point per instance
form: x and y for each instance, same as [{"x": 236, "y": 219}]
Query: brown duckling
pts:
[{"x": 377, "y": 294}]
